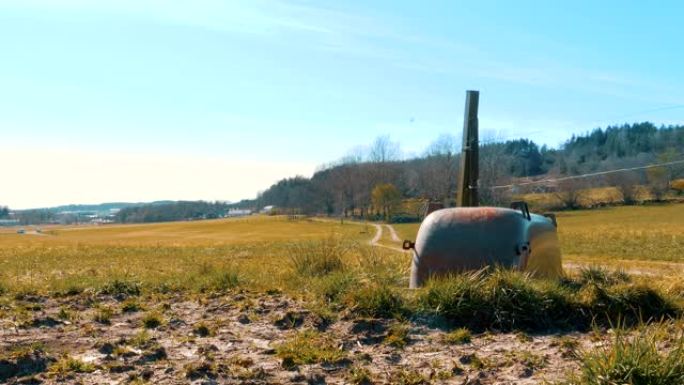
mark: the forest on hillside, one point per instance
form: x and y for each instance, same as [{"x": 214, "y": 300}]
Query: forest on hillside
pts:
[{"x": 347, "y": 186}]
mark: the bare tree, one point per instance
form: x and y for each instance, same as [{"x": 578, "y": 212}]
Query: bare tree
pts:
[
  {"x": 492, "y": 173},
  {"x": 659, "y": 182},
  {"x": 570, "y": 193},
  {"x": 384, "y": 150},
  {"x": 441, "y": 168},
  {"x": 659, "y": 178},
  {"x": 627, "y": 184}
]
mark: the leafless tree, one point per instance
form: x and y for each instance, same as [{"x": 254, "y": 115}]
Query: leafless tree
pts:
[
  {"x": 440, "y": 171},
  {"x": 659, "y": 182},
  {"x": 384, "y": 150},
  {"x": 627, "y": 184},
  {"x": 492, "y": 173},
  {"x": 570, "y": 193}
]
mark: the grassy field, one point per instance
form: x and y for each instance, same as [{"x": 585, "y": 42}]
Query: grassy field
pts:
[
  {"x": 178, "y": 255},
  {"x": 223, "y": 232},
  {"x": 639, "y": 236},
  {"x": 649, "y": 237},
  {"x": 317, "y": 293}
]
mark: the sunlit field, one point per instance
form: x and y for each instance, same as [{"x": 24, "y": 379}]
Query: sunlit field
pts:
[
  {"x": 178, "y": 255},
  {"x": 648, "y": 237},
  {"x": 220, "y": 232},
  {"x": 318, "y": 293}
]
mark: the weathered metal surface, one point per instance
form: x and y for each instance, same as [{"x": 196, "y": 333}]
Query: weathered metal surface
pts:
[{"x": 470, "y": 238}]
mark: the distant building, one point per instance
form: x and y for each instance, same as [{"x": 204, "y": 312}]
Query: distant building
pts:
[
  {"x": 267, "y": 209},
  {"x": 238, "y": 212}
]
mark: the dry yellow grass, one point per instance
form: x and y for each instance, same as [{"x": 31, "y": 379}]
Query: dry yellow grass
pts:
[
  {"x": 180, "y": 254},
  {"x": 192, "y": 233},
  {"x": 645, "y": 238},
  {"x": 648, "y": 238}
]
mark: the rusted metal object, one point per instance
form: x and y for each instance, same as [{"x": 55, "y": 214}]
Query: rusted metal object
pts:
[{"x": 470, "y": 238}]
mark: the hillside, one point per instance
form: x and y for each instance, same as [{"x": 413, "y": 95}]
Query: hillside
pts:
[{"x": 346, "y": 186}]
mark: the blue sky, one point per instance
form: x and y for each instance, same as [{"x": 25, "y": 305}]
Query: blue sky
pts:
[{"x": 143, "y": 100}]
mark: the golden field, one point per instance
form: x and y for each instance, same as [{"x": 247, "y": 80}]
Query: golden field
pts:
[
  {"x": 179, "y": 255},
  {"x": 262, "y": 299},
  {"x": 648, "y": 238}
]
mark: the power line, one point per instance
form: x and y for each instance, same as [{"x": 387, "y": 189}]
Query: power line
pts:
[{"x": 587, "y": 175}]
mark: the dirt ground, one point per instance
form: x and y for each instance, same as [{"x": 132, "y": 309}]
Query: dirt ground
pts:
[{"x": 234, "y": 339}]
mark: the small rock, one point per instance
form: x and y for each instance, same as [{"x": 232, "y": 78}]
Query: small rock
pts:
[{"x": 243, "y": 319}]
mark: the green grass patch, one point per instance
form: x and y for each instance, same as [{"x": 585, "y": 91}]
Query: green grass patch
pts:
[
  {"x": 634, "y": 359},
  {"x": 309, "y": 347},
  {"x": 458, "y": 336}
]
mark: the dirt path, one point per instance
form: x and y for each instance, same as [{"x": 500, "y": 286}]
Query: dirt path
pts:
[
  {"x": 378, "y": 235},
  {"x": 393, "y": 233}
]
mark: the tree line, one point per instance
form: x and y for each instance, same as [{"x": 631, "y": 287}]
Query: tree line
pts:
[
  {"x": 346, "y": 187},
  {"x": 173, "y": 211}
]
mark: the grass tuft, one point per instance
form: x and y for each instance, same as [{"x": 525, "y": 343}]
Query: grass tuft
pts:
[
  {"x": 66, "y": 366},
  {"x": 398, "y": 336},
  {"x": 458, "y": 336},
  {"x": 309, "y": 347},
  {"x": 376, "y": 301},
  {"x": 152, "y": 320},
  {"x": 103, "y": 315},
  {"x": 635, "y": 360},
  {"x": 318, "y": 258},
  {"x": 121, "y": 288},
  {"x": 203, "y": 330}
]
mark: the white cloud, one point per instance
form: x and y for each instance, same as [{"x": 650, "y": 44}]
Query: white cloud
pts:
[{"x": 40, "y": 178}]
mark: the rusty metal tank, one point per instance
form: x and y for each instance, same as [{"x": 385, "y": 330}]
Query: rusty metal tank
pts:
[{"x": 470, "y": 238}]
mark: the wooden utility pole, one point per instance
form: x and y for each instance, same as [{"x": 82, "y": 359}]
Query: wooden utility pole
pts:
[{"x": 468, "y": 173}]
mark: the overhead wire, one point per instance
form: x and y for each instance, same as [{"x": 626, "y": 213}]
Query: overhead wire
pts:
[{"x": 556, "y": 180}]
